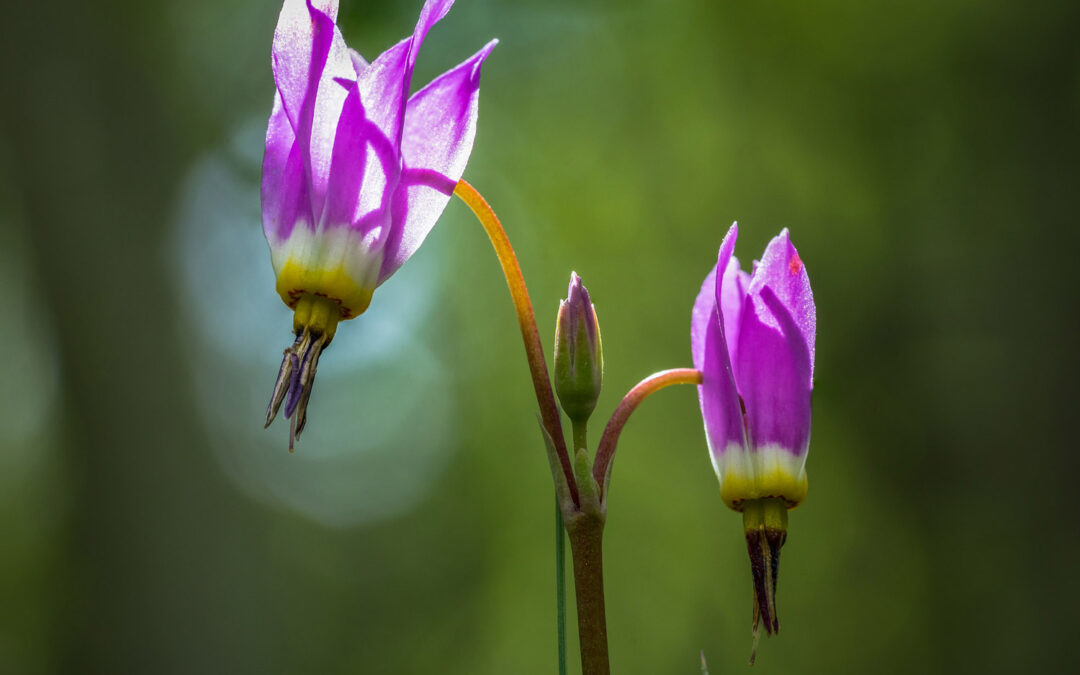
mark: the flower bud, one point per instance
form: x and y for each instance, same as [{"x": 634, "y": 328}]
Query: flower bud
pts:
[{"x": 579, "y": 358}]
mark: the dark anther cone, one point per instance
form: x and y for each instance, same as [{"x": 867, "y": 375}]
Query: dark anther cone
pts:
[
  {"x": 295, "y": 380},
  {"x": 765, "y": 524}
]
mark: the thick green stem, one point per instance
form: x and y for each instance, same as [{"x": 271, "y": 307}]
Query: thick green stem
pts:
[{"x": 586, "y": 540}]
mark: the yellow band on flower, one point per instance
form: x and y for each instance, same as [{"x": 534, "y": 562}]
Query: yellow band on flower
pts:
[
  {"x": 767, "y": 472},
  {"x": 296, "y": 281}
]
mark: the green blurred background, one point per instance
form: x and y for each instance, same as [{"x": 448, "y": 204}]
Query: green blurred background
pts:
[{"x": 924, "y": 155}]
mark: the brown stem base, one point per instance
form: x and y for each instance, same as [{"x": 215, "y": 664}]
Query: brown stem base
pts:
[{"x": 586, "y": 540}]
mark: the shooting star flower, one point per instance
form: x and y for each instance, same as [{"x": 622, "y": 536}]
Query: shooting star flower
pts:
[
  {"x": 355, "y": 174},
  {"x": 753, "y": 340}
]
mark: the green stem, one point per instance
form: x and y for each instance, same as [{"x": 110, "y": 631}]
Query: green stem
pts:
[
  {"x": 580, "y": 436},
  {"x": 560, "y": 585},
  {"x": 585, "y": 528}
]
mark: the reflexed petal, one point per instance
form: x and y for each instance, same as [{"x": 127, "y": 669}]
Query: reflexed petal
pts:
[
  {"x": 732, "y": 291},
  {"x": 431, "y": 14},
  {"x": 363, "y": 173},
  {"x": 366, "y": 190},
  {"x": 348, "y": 163},
  {"x": 783, "y": 271},
  {"x": 700, "y": 318},
  {"x": 773, "y": 367},
  {"x": 334, "y": 156},
  {"x": 302, "y": 44},
  {"x": 720, "y": 406},
  {"x": 327, "y": 7},
  {"x": 359, "y": 63},
  {"x": 440, "y": 125},
  {"x": 383, "y": 89},
  {"x": 384, "y": 85},
  {"x": 285, "y": 197},
  {"x": 309, "y": 55}
]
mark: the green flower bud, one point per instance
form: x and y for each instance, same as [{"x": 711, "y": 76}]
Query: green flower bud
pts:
[{"x": 579, "y": 358}]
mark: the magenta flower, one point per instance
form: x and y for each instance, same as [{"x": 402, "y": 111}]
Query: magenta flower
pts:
[
  {"x": 753, "y": 341},
  {"x": 356, "y": 172}
]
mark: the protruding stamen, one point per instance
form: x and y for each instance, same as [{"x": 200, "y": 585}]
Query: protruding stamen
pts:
[
  {"x": 284, "y": 381},
  {"x": 757, "y": 631},
  {"x": 765, "y": 524},
  {"x": 760, "y": 566},
  {"x": 295, "y": 380},
  {"x": 300, "y": 376},
  {"x": 292, "y": 433},
  {"x": 308, "y": 381},
  {"x": 772, "y": 563},
  {"x": 774, "y": 540}
]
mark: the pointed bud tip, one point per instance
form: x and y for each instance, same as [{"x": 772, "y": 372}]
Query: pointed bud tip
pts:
[{"x": 576, "y": 294}]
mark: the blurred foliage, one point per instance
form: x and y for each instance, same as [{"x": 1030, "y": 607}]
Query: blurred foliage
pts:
[{"x": 924, "y": 155}]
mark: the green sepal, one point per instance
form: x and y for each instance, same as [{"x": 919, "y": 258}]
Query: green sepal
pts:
[
  {"x": 588, "y": 490},
  {"x": 562, "y": 490}
]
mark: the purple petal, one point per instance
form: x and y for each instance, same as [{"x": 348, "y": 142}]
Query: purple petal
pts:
[
  {"x": 302, "y": 44},
  {"x": 368, "y": 162},
  {"x": 773, "y": 368},
  {"x": 364, "y": 172},
  {"x": 384, "y": 85},
  {"x": 440, "y": 125},
  {"x": 719, "y": 399},
  {"x": 782, "y": 271},
  {"x": 327, "y": 7},
  {"x": 731, "y": 292},
  {"x": 309, "y": 55},
  {"x": 383, "y": 89},
  {"x": 358, "y": 61},
  {"x": 366, "y": 165},
  {"x": 286, "y": 200},
  {"x": 431, "y": 14}
]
